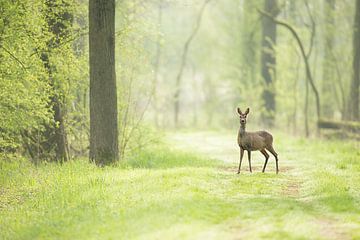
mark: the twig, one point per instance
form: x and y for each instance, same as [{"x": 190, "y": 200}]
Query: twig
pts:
[{"x": 15, "y": 58}]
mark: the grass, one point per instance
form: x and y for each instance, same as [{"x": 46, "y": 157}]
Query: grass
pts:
[{"x": 165, "y": 193}]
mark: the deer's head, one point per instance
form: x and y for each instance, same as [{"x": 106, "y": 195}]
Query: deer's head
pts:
[{"x": 243, "y": 115}]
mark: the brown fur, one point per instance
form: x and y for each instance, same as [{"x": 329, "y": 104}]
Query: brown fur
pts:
[{"x": 254, "y": 141}]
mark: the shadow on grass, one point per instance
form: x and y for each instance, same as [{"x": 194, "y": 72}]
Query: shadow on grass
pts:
[{"x": 341, "y": 203}]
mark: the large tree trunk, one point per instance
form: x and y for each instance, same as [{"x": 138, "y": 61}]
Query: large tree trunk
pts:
[
  {"x": 103, "y": 99},
  {"x": 354, "y": 90},
  {"x": 268, "y": 61},
  {"x": 328, "y": 67}
]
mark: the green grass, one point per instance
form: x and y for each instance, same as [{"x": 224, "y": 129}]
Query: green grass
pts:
[{"x": 167, "y": 193}]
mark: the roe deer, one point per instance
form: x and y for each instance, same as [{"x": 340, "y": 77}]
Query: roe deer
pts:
[{"x": 254, "y": 141}]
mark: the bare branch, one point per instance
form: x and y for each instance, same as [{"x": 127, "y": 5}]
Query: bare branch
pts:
[
  {"x": 184, "y": 57},
  {"x": 14, "y": 57},
  {"x": 303, "y": 53},
  {"x": 313, "y": 28}
]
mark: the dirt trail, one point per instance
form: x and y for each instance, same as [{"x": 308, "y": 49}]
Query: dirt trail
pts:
[
  {"x": 223, "y": 146},
  {"x": 215, "y": 145}
]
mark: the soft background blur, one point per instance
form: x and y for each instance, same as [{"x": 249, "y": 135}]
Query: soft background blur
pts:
[
  {"x": 182, "y": 69},
  {"x": 180, "y": 64}
]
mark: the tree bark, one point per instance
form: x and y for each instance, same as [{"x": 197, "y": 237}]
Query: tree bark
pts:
[
  {"x": 345, "y": 125},
  {"x": 103, "y": 97},
  {"x": 268, "y": 61},
  {"x": 355, "y": 83}
]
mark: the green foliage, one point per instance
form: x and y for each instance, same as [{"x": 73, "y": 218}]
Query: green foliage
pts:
[
  {"x": 24, "y": 92},
  {"x": 39, "y": 64}
]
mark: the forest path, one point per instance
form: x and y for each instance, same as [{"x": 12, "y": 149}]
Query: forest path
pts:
[
  {"x": 212, "y": 144},
  {"x": 223, "y": 146},
  {"x": 296, "y": 167}
]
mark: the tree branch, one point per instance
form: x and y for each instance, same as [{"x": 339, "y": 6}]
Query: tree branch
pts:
[
  {"x": 14, "y": 57},
  {"x": 313, "y": 29},
  {"x": 184, "y": 57},
  {"x": 303, "y": 53}
]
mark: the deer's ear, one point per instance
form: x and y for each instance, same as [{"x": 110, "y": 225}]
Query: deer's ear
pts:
[
  {"x": 239, "y": 111},
  {"x": 247, "y": 111}
]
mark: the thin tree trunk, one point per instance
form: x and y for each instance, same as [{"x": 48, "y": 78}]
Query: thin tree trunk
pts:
[
  {"x": 305, "y": 58},
  {"x": 250, "y": 43},
  {"x": 296, "y": 80},
  {"x": 157, "y": 65},
  {"x": 342, "y": 105},
  {"x": 58, "y": 25},
  {"x": 355, "y": 83},
  {"x": 195, "y": 99},
  {"x": 103, "y": 97},
  {"x": 306, "y": 111},
  {"x": 268, "y": 61},
  {"x": 328, "y": 64},
  {"x": 183, "y": 63}
]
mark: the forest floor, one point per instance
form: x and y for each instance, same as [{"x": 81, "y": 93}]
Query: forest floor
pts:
[{"x": 189, "y": 191}]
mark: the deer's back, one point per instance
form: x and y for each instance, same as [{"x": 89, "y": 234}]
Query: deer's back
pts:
[
  {"x": 266, "y": 135},
  {"x": 255, "y": 140}
]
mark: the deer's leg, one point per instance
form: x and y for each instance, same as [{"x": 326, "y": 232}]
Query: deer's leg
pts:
[
  {"x": 249, "y": 155},
  {"x": 241, "y": 157},
  {"x": 266, "y": 155},
  {"x": 271, "y": 149}
]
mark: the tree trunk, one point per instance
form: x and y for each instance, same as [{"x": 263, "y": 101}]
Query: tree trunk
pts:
[
  {"x": 58, "y": 24},
  {"x": 58, "y": 132},
  {"x": 268, "y": 61},
  {"x": 306, "y": 107},
  {"x": 295, "y": 92},
  {"x": 250, "y": 42},
  {"x": 345, "y": 125},
  {"x": 183, "y": 63},
  {"x": 62, "y": 146},
  {"x": 103, "y": 97},
  {"x": 328, "y": 67},
  {"x": 305, "y": 58},
  {"x": 157, "y": 64},
  {"x": 354, "y": 90}
]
